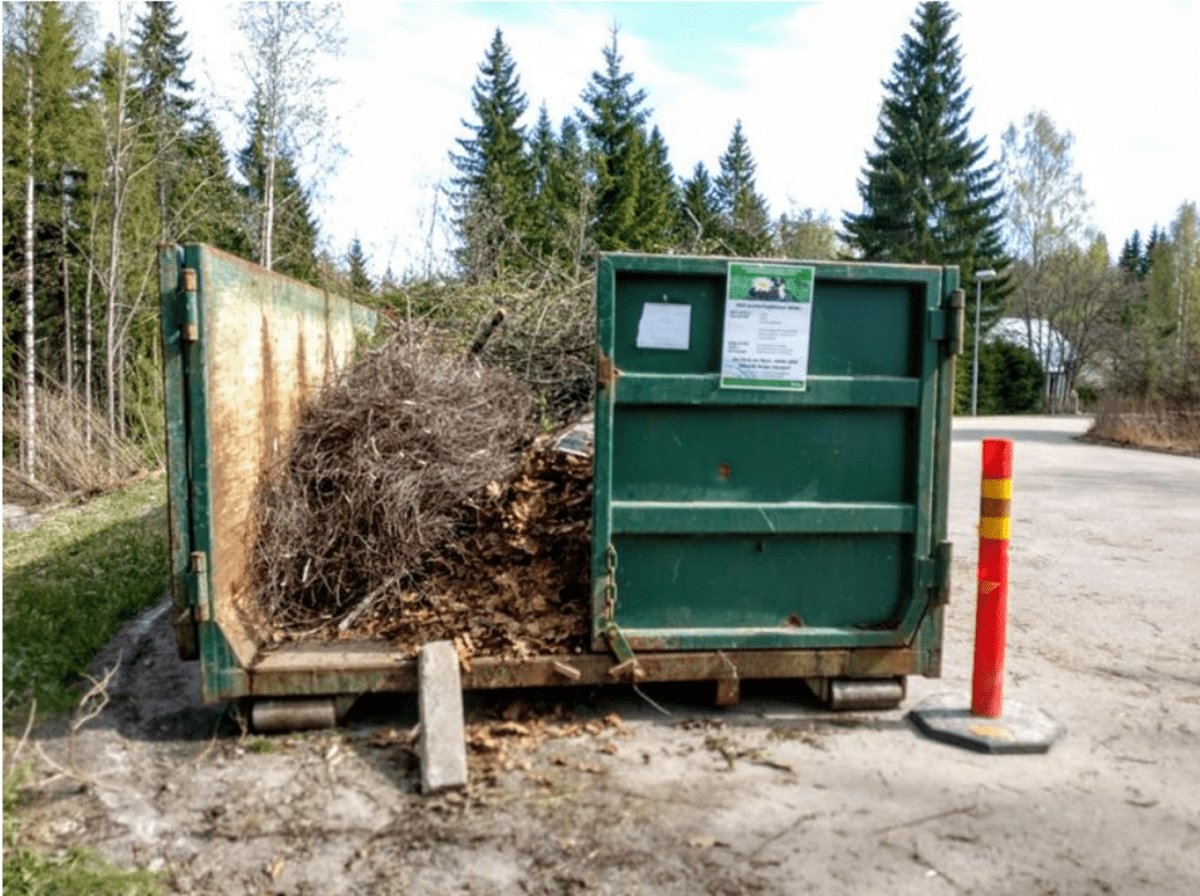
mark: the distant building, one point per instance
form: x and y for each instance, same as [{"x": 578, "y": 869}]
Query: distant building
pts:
[{"x": 1049, "y": 346}]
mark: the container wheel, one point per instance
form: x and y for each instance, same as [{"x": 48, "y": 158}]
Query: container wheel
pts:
[
  {"x": 277, "y": 715},
  {"x": 858, "y": 693}
]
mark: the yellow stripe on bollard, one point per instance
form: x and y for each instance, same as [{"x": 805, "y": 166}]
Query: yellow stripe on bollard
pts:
[
  {"x": 997, "y": 488},
  {"x": 997, "y": 528}
]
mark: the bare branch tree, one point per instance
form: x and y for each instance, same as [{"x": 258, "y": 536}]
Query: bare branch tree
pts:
[{"x": 290, "y": 45}]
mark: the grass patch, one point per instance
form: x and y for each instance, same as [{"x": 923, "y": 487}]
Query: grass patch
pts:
[
  {"x": 1146, "y": 424},
  {"x": 70, "y": 584},
  {"x": 78, "y": 870}
]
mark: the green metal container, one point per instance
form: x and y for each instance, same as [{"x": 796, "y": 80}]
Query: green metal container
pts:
[
  {"x": 763, "y": 529},
  {"x": 808, "y": 513}
]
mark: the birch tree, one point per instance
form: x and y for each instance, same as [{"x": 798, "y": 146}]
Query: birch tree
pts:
[
  {"x": 42, "y": 79},
  {"x": 289, "y": 48}
]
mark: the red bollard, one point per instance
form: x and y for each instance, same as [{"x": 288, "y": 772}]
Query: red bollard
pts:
[{"x": 991, "y": 608}]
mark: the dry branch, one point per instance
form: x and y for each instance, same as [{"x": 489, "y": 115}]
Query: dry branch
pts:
[{"x": 406, "y": 510}]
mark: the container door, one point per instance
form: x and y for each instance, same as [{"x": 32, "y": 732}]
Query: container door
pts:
[{"x": 730, "y": 518}]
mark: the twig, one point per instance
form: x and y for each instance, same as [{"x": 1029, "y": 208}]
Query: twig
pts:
[
  {"x": 91, "y": 705},
  {"x": 925, "y": 818},
  {"x": 365, "y": 604},
  {"x": 644, "y": 696},
  {"x": 72, "y": 773},
  {"x": 12, "y": 760}
]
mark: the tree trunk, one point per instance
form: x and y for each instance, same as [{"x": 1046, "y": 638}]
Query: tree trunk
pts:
[
  {"x": 68, "y": 340},
  {"x": 88, "y": 336},
  {"x": 29, "y": 447},
  {"x": 268, "y": 228}
]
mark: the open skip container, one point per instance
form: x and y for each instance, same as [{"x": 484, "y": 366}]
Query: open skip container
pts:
[{"x": 784, "y": 518}]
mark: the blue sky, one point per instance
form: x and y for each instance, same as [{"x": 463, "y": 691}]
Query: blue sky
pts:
[{"x": 804, "y": 78}]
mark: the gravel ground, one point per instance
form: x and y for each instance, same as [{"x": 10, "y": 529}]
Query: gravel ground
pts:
[{"x": 597, "y": 792}]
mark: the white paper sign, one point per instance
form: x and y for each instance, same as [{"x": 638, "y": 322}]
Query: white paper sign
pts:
[{"x": 664, "y": 325}]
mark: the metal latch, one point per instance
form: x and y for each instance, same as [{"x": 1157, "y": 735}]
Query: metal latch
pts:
[{"x": 191, "y": 323}]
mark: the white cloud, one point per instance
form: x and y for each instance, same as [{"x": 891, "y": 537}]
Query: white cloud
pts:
[{"x": 1121, "y": 77}]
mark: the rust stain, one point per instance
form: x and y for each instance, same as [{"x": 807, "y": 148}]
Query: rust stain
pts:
[
  {"x": 270, "y": 394},
  {"x": 794, "y": 621},
  {"x": 723, "y": 471},
  {"x": 606, "y": 372},
  {"x": 301, "y": 361}
]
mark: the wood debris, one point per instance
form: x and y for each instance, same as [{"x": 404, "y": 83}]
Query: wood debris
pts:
[{"x": 403, "y": 514}]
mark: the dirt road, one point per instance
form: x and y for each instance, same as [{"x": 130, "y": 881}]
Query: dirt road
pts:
[{"x": 775, "y": 796}]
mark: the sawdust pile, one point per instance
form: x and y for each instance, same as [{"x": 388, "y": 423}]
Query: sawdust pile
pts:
[{"x": 414, "y": 505}]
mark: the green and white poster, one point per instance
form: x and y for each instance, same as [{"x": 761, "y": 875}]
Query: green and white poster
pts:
[{"x": 768, "y": 318}]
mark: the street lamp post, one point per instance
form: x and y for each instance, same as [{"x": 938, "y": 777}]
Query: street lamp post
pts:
[{"x": 980, "y": 276}]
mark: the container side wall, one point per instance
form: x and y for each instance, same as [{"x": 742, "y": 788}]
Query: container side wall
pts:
[{"x": 269, "y": 345}]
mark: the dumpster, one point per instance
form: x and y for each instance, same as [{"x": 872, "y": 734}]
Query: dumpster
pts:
[{"x": 770, "y": 474}]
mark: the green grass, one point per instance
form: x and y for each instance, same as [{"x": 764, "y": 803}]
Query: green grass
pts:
[
  {"x": 78, "y": 870},
  {"x": 70, "y": 583}
]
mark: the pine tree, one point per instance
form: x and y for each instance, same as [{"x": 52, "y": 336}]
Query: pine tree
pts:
[
  {"x": 927, "y": 196},
  {"x": 160, "y": 60},
  {"x": 495, "y": 177},
  {"x": 745, "y": 223},
  {"x": 625, "y": 166}
]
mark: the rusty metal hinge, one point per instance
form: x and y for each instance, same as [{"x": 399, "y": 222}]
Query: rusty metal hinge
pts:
[
  {"x": 202, "y": 609},
  {"x": 946, "y": 324},
  {"x": 933, "y": 573},
  {"x": 956, "y": 311},
  {"x": 191, "y": 324}
]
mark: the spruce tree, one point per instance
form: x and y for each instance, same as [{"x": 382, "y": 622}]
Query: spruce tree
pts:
[
  {"x": 494, "y": 185},
  {"x": 698, "y": 226},
  {"x": 633, "y": 204},
  {"x": 746, "y": 226},
  {"x": 162, "y": 91},
  {"x": 360, "y": 281},
  {"x": 658, "y": 199},
  {"x": 927, "y": 195},
  {"x": 210, "y": 207},
  {"x": 543, "y": 147},
  {"x": 1131, "y": 255},
  {"x": 293, "y": 229}
]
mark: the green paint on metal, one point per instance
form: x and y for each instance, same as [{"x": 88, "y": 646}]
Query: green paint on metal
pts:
[
  {"x": 709, "y": 517},
  {"x": 240, "y": 349},
  {"x": 841, "y": 391},
  {"x": 764, "y": 518},
  {"x": 174, "y": 385}
]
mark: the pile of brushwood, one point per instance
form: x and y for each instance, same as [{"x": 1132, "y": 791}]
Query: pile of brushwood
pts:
[{"x": 415, "y": 504}]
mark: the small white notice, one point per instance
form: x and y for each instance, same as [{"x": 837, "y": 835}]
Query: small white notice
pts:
[{"x": 664, "y": 325}]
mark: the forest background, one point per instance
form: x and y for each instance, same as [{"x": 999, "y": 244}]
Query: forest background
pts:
[{"x": 109, "y": 149}]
